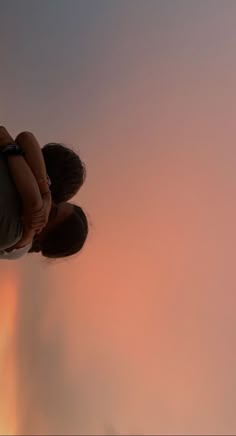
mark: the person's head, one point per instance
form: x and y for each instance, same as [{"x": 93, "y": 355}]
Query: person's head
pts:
[
  {"x": 65, "y": 233},
  {"x": 65, "y": 169}
]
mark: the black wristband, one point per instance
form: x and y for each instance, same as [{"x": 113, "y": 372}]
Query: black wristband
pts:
[{"x": 12, "y": 150}]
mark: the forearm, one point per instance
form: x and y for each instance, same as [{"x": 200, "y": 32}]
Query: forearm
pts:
[
  {"x": 34, "y": 159},
  {"x": 25, "y": 183},
  {"x": 22, "y": 175}
]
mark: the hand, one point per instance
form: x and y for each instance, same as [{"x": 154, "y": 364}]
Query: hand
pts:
[
  {"x": 38, "y": 219},
  {"x": 5, "y": 137}
]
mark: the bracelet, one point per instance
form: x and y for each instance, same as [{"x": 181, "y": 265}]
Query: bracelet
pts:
[{"x": 12, "y": 150}]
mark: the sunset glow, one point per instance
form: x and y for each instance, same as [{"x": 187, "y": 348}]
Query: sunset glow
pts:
[
  {"x": 137, "y": 332},
  {"x": 8, "y": 307}
]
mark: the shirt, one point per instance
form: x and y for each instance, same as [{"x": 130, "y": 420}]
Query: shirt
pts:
[
  {"x": 11, "y": 226},
  {"x": 16, "y": 253}
]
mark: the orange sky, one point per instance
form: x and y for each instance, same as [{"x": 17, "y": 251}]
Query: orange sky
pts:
[
  {"x": 8, "y": 307},
  {"x": 138, "y": 331}
]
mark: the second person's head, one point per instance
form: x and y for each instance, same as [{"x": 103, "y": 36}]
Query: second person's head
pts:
[{"x": 65, "y": 232}]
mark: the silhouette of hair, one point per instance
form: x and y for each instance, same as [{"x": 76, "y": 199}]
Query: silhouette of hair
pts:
[
  {"x": 65, "y": 169},
  {"x": 66, "y": 239}
]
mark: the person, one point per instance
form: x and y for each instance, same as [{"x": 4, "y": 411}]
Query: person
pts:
[
  {"x": 55, "y": 163},
  {"x": 22, "y": 200}
]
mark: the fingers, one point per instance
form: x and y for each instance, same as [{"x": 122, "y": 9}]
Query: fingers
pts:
[
  {"x": 37, "y": 228},
  {"x": 37, "y": 220},
  {"x": 38, "y": 223}
]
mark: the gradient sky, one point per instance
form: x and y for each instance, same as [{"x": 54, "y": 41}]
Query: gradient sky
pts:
[{"x": 138, "y": 332}]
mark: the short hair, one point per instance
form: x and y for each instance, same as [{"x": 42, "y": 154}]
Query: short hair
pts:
[
  {"x": 67, "y": 238},
  {"x": 65, "y": 169}
]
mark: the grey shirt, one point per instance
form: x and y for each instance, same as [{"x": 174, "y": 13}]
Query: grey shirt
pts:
[{"x": 11, "y": 227}]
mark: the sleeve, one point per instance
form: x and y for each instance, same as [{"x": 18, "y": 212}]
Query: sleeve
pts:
[{"x": 15, "y": 254}]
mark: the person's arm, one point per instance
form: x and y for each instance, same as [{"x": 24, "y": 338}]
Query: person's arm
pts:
[
  {"x": 29, "y": 193},
  {"x": 25, "y": 183},
  {"x": 26, "y": 186},
  {"x": 22, "y": 175},
  {"x": 34, "y": 158}
]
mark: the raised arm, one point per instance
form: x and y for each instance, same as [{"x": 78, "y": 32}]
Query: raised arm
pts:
[
  {"x": 26, "y": 186},
  {"x": 34, "y": 158},
  {"x": 22, "y": 175}
]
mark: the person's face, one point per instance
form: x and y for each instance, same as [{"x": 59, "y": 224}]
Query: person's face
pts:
[{"x": 58, "y": 214}]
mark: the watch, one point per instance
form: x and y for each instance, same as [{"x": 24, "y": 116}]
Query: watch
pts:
[{"x": 12, "y": 150}]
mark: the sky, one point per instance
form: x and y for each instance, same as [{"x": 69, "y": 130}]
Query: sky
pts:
[{"x": 137, "y": 333}]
